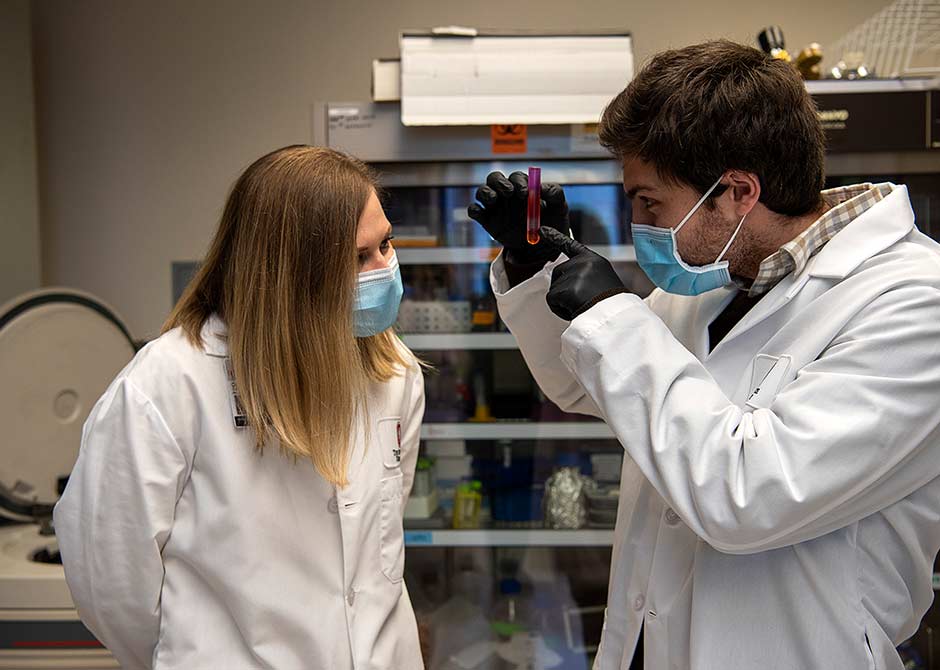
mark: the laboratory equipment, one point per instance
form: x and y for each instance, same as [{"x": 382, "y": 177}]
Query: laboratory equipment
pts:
[
  {"x": 534, "y": 206},
  {"x": 808, "y": 62},
  {"x": 900, "y": 40},
  {"x": 59, "y": 350},
  {"x": 423, "y": 501},
  {"x": 468, "y": 500},
  {"x": 602, "y": 505},
  {"x": 851, "y": 67},
  {"x": 771, "y": 41},
  {"x": 565, "y": 500}
]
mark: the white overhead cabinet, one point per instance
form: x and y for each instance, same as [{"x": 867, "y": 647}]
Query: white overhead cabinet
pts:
[{"x": 449, "y": 80}]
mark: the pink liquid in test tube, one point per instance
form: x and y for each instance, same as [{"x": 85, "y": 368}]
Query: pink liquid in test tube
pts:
[{"x": 534, "y": 209}]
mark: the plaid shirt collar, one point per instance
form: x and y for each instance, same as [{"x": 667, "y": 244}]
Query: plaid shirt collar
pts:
[{"x": 844, "y": 205}]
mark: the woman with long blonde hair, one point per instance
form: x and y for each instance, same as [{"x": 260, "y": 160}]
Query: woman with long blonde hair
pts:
[{"x": 237, "y": 500}]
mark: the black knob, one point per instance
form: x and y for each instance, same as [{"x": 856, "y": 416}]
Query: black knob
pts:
[{"x": 770, "y": 39}]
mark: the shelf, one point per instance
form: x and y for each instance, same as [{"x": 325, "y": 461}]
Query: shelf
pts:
[
  {"x": 446, "y": 255},
  {"x": 509, "y": 538},
  {"x": 433, "y": 342},
  {"x": 622, "y": 253},
  {"x": 828, "y": 86},
  {"x": 586, "y": 430}
]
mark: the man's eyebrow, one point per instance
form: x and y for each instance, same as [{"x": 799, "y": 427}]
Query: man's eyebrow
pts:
[{"x": 633, "y": 191}]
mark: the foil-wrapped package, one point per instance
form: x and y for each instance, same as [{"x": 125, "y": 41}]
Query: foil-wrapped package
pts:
[{"x": 565, "y": 503}]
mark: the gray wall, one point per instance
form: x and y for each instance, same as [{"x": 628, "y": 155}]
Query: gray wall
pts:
[
  {"x": 148, "y": 110},
  {"x": 19, "y": 201}
]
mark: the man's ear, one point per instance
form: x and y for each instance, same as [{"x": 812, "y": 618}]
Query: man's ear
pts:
[{"x": 744, "y": 189}]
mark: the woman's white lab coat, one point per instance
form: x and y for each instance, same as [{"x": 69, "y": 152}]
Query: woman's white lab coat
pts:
[
  {"x": 184, "y": 548},
  {"x": 780, "y": 499}
]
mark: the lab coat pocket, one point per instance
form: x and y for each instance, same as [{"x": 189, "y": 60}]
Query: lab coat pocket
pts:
[
  {"x": 768, "y": 376},
  {"x": 389, "y": 441},
  {"x": 392, "y": 535}
]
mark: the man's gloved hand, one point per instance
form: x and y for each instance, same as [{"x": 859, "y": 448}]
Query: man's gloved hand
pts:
[
  {"x": 582, "y": 281},
  {"x": 502, "y": 213}
]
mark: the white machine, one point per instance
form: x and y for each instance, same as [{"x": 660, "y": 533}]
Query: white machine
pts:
[{"x": 59, "y": 350}]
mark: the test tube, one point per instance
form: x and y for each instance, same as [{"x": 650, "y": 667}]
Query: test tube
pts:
[{"x": 534, "y": 210}]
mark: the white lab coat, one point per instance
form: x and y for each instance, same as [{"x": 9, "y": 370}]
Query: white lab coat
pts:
[
  {"x": 780, "y": 502},
  {"x": 184, "y": 548}
]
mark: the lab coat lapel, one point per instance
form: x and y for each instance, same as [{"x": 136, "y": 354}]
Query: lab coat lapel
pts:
[
  {"x": 776, "y": 298},
  {"x": 711, "y": 306}
]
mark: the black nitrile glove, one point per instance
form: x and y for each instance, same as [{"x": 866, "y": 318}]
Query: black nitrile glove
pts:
[
  {"x": 502, "y": 213},
  {"x": 582, "y": 281}
]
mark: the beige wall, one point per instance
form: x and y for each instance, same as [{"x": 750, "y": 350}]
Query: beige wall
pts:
[
  {"x": 19, "y": 202},
  {"x": 148, "y": 110}
]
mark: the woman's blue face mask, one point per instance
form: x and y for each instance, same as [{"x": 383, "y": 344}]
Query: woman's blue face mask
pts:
[
  {"x": 378, "y": 295},
  {"x": 658, "y": 255}
]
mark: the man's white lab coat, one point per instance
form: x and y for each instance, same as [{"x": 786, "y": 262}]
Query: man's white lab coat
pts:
[{"x": 780, "y": 498}]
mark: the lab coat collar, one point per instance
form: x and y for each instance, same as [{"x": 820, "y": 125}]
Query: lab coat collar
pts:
[
  {"x": 213, "y": 334},
  {"x": 873, "y": 231}
]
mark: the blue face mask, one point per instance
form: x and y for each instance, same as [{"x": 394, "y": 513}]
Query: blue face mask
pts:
[
  {"x": 378, "y": 294},
  {"x": 658, "y": 255}
]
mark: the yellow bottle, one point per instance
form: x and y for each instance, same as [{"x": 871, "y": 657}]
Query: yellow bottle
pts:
[{"x": 467, "y": 502}]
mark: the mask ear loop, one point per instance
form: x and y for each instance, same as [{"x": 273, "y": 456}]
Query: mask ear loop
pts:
[
  {"x": 697, "y": 205},
  {"x": 731, "y": 241}
]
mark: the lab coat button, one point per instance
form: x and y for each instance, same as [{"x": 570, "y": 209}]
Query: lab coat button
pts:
[
  {"x": 351, "y": 597},
  {"x": 671, "y": 518},
  {"x": 638, "y": 603},
  {"x": 332, "y": 505}
]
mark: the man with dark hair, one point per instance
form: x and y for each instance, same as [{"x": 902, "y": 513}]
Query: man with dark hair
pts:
[{"x": 778, "y": 394}]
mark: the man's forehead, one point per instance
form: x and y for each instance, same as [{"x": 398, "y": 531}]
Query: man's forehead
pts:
[{"x": 639, "y": 175}]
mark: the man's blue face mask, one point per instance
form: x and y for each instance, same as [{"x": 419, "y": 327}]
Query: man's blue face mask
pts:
[
  {"x": 658, "y": 255},
  {"x": 378, "y": 295}
]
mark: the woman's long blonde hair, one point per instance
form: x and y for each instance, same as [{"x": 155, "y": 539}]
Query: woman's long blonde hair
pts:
[{"x": 281, "y": 272}]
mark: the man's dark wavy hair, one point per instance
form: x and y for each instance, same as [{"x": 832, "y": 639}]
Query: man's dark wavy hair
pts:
[{"x": 698, "y": 111}]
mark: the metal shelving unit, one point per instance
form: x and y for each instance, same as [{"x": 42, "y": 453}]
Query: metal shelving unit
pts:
[
  {"x": 509, "y": 538},
  {"x": 623, "y": 253},
  {"x": 575, "y": 430},
  {"x": 435, "y": 342}
]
